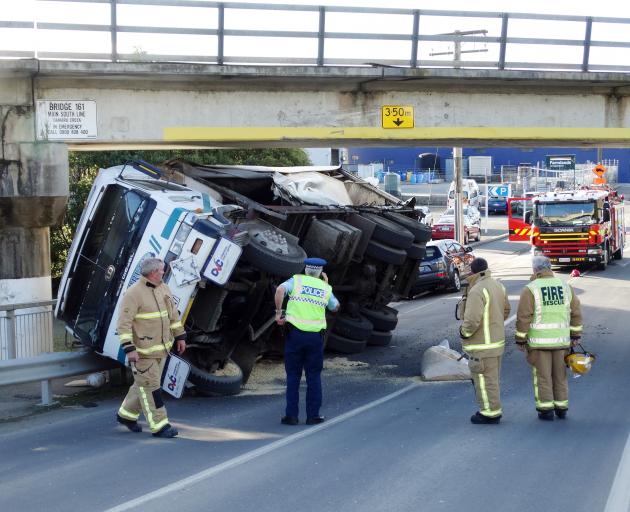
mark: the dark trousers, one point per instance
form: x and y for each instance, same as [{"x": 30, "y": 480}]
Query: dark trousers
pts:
[{"x": 303, "y": 351}]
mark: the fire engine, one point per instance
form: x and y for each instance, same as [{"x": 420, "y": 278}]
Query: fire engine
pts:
[{"x": 571, "y": 227}]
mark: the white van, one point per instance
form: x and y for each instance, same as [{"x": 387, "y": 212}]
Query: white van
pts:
[{"x": 470, "y": 191}]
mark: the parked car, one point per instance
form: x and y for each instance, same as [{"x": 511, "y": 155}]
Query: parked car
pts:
[
  {"x": 427, "y": 215},
  {"x": 445, "y": 226},
  {"x": 444, "y": 265},
  {"x": 497, "y": 205}
]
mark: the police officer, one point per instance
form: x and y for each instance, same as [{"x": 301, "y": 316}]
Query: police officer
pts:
[
  {"x": 483, "y": 338},
  {"x": 147, "y": 322},
  {"x": 309, "y": 296},
  {"x": 548, "y": 322}
]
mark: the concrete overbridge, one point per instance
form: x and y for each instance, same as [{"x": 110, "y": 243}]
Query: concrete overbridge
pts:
[{"x": 113, "y": 105}]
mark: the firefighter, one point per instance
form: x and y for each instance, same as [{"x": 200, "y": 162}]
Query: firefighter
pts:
[
  {"x": 483, "y": 339},
  {"x": 309, "y": 297},
  {"x": 548, "y": 323},
  {"x": 147, "y": 322}
]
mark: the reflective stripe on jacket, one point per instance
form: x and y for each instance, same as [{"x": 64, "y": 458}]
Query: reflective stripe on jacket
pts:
[
  {"x": 148, "y": 320},
  {"x": 487, "y": 306},
  {"x": 306, "y": 308},
  {"x": 548, "y": 313}
]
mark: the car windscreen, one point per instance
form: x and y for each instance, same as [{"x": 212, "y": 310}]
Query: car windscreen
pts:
[
  {"x": 108, "y": 245},
  {"x": 565, "y": 214},
  {"x": 432, "y": 253}
]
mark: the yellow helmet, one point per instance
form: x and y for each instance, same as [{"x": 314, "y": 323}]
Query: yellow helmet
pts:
[{"x": 579, "y": 362}]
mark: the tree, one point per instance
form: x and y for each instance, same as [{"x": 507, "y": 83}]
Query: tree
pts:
[{"x": 85, "y": 165}]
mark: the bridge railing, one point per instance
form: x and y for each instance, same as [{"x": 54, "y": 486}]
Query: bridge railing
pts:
[
  {"x": 285, "y": 34},
  {"x": 26, "y": 330}
]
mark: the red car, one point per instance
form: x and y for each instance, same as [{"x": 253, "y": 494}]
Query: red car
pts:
[{"x": 445, "y": 228}]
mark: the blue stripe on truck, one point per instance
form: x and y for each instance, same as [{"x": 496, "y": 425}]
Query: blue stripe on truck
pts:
[{"x": 171, "y": 222}]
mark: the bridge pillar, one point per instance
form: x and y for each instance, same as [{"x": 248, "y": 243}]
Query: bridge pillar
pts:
[{"x": 33, "y": 195}]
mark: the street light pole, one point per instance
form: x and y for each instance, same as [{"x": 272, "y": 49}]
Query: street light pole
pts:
[{"x": 459, "y": 209}]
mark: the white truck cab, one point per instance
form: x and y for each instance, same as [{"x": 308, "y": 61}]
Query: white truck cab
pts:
[{"x": 470, "y": 191}]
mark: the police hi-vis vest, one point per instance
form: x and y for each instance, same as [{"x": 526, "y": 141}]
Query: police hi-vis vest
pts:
[
  {"x": 550, "y": 327},
  {"x": 306, "y": 308}
]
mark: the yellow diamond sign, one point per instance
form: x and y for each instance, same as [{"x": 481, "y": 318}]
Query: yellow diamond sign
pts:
[{"x": 397, "y": 116}]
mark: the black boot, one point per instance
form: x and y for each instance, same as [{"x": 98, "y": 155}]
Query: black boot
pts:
[
  {"x": 130, "y": 424},
  {"x": 545, "y": 415},
  {"x": 314, "y": 420},
  {"x": 480, "y": 419},
  {"x": 561, "y": 413},
  {"x": 289, "y": 420},
  {"x": 166, "y": 432}
]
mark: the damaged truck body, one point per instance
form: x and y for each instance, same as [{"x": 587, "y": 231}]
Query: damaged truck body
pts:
[{"x": 229, "y": 235}]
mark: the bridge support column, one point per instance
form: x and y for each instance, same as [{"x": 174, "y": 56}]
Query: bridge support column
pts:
[{"x": 33, "y": 195}]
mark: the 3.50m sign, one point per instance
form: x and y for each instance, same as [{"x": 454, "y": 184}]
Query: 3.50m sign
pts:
[{"x": 397, "y": 116}]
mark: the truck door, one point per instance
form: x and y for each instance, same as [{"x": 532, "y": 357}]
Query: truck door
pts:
[{"x": 519, "y": 210}]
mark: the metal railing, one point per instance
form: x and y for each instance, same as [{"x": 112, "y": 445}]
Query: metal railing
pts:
[
  {"x": 408, "y": 46},
  {"x": 26, "y": 330}
]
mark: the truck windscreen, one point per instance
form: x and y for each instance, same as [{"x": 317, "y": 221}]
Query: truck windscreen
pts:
[
  {"x": 109, "y": 243},
  {"x": 565, "y": 214}
]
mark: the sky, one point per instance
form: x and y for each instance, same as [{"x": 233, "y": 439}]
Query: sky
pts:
[{"x": 367, "y": 50}]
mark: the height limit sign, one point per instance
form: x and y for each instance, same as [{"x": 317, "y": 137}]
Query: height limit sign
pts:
[
  {"x": 66, "y": 119},
  {"x": 397, "y": 116}
]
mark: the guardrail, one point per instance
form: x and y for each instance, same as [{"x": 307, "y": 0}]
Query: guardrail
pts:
[
  {"x": 320, "y": 32},
  {"x": 46, "y": 367}
]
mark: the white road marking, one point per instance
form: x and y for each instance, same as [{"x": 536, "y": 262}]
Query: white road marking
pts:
[
  {"x": 510, "y": 320},
  {"x": 254, "y": 454},
  {"x": 619, "y": 497}
]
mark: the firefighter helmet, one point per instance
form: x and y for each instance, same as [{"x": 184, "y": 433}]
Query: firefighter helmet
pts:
[
  {"x": 575, "y": 273},
  {"x": 579, "y": 362}
]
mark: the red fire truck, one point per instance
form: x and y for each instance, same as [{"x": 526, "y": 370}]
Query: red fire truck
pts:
[{"x": 571, "y": 227}]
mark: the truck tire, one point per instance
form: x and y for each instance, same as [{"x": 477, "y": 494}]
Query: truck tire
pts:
[
  {"x": 263, "y": 257},
  {"x": 245, "y": 355},
  {"x": 604, "y": 263},
  {"x": 339, "y": 343},
  {"x": 417, "y": 251},
  {"x": 389, "y": 232},
  {"x": 384, "y": 319},
  {"x": 385, "y": 253},
  {"x": 359, "y": 328},
  {"x": 209, "y": 384},
  {"x": 421, "y": 232},
  {"x": 618, "y": 254},
  {"x": 380, "y": 338}
]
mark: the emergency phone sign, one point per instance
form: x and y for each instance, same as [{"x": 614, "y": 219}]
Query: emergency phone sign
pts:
[{"x": 66, "y": 119}]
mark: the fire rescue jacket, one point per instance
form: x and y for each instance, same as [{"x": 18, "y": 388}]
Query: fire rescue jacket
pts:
[
  {"x": 548, "y": 313},
  {"x": 306, "y": 307},
  {"x": 487, "y": 306},
  {"x": 148, "y": 320}
]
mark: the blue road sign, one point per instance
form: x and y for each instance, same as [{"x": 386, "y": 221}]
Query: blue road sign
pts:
[{"x": 499, "y": 191}]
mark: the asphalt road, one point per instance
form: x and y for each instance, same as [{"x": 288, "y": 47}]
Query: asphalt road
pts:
[{"x": 391, "y": 442}]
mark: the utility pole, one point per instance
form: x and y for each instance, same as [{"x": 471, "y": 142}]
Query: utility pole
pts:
[
  {"x": 459, "y": 207},
  {"x": 457, "y": 50}
]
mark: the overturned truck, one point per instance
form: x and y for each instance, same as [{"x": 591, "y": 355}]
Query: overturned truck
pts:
[{"x": 229, "y": 235}]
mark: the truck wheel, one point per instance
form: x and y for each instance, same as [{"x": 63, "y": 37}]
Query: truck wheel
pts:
[
  {"x": 339, "y": 343},
  {"x": 380, "y": 339},
  {"x": 604, "y": 263},
  {"x": 421, "y": 232},
  {"x": 384, "y": 319},
  {"x": 382, "y": 252},
  {"x": 389, "y": 232},
  {"x": 618, "y": 254},
  {"x": 211, "y": 384},
  {"x": 359, "y": 328},
  {"x": 245, "y": 355},
  {"x": 264, "y": 252},
  {"x": 417, "y": 251}
]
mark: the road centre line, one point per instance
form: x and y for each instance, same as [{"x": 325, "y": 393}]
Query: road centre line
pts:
[
  {"x": 254, "y": 454},
  {"x": 619, "y": 496},
  {"x": 509, "y": 320}
]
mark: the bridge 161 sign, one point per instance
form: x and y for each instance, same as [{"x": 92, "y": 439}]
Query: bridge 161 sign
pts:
[{"x": 66, "y": 119}]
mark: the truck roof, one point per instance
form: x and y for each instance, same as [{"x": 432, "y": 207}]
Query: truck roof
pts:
[{"x": 572, "y": 195}]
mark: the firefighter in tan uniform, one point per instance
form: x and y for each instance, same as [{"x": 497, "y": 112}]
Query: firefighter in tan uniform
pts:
[
  {"x": 483, "y": 338},
  {"x": 548, "y": 322},
  {"x": 147, "y": 322}
]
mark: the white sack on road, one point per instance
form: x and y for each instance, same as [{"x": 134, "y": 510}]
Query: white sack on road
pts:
[{"x": 441, "y": 363}]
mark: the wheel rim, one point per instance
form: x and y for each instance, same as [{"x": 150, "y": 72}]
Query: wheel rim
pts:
[{"x": 456, "y": 282}]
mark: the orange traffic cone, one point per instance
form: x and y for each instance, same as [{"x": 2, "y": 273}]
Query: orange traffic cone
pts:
[{"x": 575, "y": 273}]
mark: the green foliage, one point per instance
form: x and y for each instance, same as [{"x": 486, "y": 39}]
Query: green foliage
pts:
[{"x": 85, "y": 165}]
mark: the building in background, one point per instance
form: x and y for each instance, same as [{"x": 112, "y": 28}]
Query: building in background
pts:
[{"x": 405, "y": 159}]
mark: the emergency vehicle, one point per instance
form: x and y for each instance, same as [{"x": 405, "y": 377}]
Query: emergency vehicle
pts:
[{"x": 571, "y": 227}]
